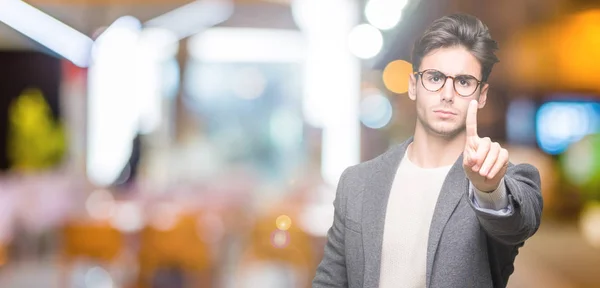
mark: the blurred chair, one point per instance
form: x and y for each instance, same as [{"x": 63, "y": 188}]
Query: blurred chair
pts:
[
  {"x": 93, "y": 241},
  {"x": 96, "y": 240},
  {"x": 289, "y": 253},
  {"x": 175, "y": 252},
  {"x": 3, "y": 254}
]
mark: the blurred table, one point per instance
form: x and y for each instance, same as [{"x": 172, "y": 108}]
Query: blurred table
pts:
[{"x": 557, "y": 257}]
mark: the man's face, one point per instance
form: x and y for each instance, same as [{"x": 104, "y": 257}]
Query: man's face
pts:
[{"x": 443, "y": 113}]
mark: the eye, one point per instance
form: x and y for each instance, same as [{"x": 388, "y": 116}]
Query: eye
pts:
[
  {"x": 434, "y": 77},
  {"x": 466, "y": 81}
]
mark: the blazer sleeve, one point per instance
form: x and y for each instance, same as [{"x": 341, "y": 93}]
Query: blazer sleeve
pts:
[
  {"x": 331, "y": 272},
  {"x": 522, "y": 183}
]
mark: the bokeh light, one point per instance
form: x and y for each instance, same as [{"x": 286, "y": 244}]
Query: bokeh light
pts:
[
  {"x": 128, "y": 217},
  {"x": 396, "y": 76},
  {"x": 164, "y": 216},
  {"x": 365, "y": 41},
  {"x": 561, "y": 123},
  {"x": 100, "y": 205},
  {"x": 590, "y": 224},
  {"x": 286, "y": 128},
  {"x": 283, "y": 222},
  {"x": 580, "y": 160},
  {"x": 384, "y": 14},
  {"x": 375, "y": 111},
  {"x": 280, "y": 239},
  {"x": 316, "y": 219},
  {"x": 97, "y": 277},
  {"x": 248, "y": 83}
]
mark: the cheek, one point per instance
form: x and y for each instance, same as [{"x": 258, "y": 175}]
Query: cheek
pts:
[
  {"x": 420, "y": 103},
  {"x": 427, "y": 100},
  {"x": 463, "y": 111}
]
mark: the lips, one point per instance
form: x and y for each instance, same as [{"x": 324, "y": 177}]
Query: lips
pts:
[{"x": 445, "y": 112}]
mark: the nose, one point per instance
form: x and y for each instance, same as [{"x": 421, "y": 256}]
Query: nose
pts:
[{"x": 448, "y": 90}]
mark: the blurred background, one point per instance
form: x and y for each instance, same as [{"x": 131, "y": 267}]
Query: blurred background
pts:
[{"x": 199, "y": 143}]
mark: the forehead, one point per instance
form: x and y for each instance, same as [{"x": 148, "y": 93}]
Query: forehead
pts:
[{"x": 452, "y": 61}]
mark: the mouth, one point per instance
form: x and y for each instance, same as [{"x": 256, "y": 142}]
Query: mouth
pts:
[{"x": 444, "y": 112}]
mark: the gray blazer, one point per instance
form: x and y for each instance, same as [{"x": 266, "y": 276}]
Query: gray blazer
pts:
[{"x": 466, "y": 247}]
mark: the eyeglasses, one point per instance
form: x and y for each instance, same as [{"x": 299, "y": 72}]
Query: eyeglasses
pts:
[{"x": 434, "y": 80}]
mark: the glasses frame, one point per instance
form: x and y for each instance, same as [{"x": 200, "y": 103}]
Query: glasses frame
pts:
[{"x": 420, "y": 74}]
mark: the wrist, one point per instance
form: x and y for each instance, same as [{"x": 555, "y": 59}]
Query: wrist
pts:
[{"x": 486, "y": 188}]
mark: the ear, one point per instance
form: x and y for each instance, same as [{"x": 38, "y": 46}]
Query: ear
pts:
[
  {"x": 483, "y": 95},
  {"x": 412, "y": 87}
]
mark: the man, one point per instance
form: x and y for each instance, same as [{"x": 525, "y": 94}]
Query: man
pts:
[{"x": 445, "y": 208}]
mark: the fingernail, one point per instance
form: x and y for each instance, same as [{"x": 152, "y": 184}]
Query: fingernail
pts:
[{"x": 476, "y": 168}]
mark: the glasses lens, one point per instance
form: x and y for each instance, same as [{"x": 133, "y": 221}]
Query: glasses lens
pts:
[
  {"x": 433, "y": 80},
  {"x": 465, "y": 85}
]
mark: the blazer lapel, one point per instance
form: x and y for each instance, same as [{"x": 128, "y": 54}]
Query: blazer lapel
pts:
[
  {"x": 375, "y": 199},
  {"x": 454, "y": 188}
]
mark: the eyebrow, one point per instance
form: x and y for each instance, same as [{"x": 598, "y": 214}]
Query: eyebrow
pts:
[{"x": 456, "y": 75}]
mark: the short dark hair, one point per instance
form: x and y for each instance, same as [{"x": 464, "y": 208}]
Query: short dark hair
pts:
[{"x": 458, "y": 30}]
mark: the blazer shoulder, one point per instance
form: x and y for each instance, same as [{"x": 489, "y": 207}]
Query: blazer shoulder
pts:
[
  {"x": 365, "y": 168},
  {"x": 356, "y": 176}
]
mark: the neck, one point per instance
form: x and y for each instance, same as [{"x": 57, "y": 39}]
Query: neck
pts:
[{"x": 432, "y": 151}]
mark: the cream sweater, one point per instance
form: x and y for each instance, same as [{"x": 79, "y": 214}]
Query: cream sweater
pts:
[{"x": 410, "y": 209}]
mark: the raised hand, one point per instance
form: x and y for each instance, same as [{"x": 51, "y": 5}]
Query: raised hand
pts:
[{"x": 485, "y": 162}]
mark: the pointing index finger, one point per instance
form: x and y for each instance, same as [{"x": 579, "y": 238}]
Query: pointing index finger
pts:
[{"x": 472, "y": 119}]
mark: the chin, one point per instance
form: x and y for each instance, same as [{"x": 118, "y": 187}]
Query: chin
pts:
[
  {"x": 446, "y": 131},
  {"x": 448, "y": 134}
]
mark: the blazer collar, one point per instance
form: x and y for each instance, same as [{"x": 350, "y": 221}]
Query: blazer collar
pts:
[{"x": 375, "y": 200}]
